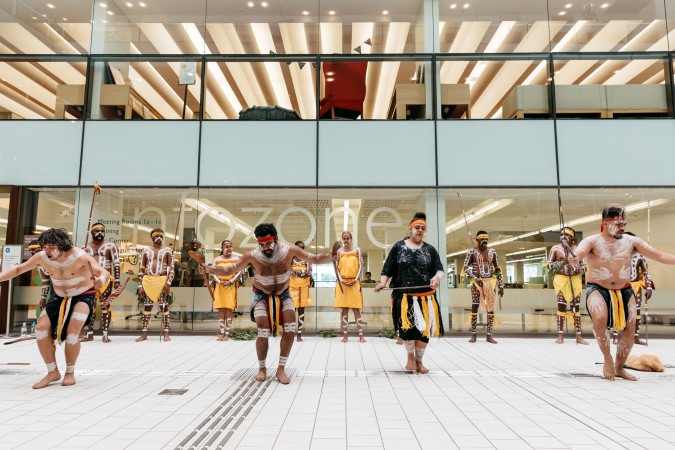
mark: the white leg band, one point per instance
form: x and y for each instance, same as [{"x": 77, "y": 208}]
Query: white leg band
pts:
[
  {"x": 409, "y": 346},
  {"x": 70, "y": 368},
  {"x": 82, "y": 317},
  {"x": 263, "y": 333},
  {"x": 419, "y": 353},
  {"x": 289, "y": 327},
  {"x": 72, "y": 339},
  {"x": 261, "y": 363},
  {"x": 51, "y": 366},
  {"x": 282, "y": 361},
  {"x": 41, "y": 334}
]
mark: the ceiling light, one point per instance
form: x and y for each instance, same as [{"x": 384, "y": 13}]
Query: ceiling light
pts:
[
  {"x": 103, "y": 5},
  {"x": 604, "y": 5},
  {"x": 50, "y": 6},
  {"x": 475, "y": 215},
  {"x": 453, "y": 6},
  {"x": 305, "y": 13},
  {"x": 329, "y": 79},
  {"x": 562, "y": 13},
  {"x": 385, "y": 13},
  {"x": 330, "y": 74},
  {"x": 466, "y": 6},
  {"x": 130, "y": 5},
  {"x": 568, "y": 6},
  {"x": 533, "y": 250},
  {"x": 110, "y": 13},
  {"x": 264, "y": 4},
  {"x": 331, "y": 13},
  {"x": 250, "y": 4},
  {"x": 34, "y": 18},
  {"x": 141, "y": 4},
  {"x": 44, "y": 15},
  {"x": 65, "y": 19}
]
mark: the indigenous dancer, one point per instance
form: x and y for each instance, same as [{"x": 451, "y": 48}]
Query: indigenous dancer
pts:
[
  {"x": 609, "y": 296},
  {"x": 45, "y": 282},
  {"x": 301, "y": 279},
  {"x": 225, "y": 292},
  {"x": 75, "y": 276},
  {"x": 641, "y": 281},
  {"x": 154, "y": 282},
  {"x": 272, "y": 303},
  {"x": 107, "y": 255},
  {"x": 350, "y": 296},
  {"x": 482, "y": 266},
  {"x": 566, "y": 283},
  {"x": 416, "y": 271}
]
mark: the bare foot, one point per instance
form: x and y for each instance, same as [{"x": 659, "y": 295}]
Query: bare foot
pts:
[
  {"x": 344, "y": 339},
  {"x": 559, "y": 339},
  {"x": 362, "y": 339},
  {"x": 166, "y": 336},
  {"x": 87, "y": 338},
  {"x": 142, "y": 337},
  {"x": 106, "y": 339},
  {"x": 262, "y": 374},
  {"x": 68, "y": 379},
  {"x": 608, "y": 370},
  {"x": 639, "y": 342},
  {"x": 411, "y": 365},
  {"x": 220, "y": 337},
  {"x": 299, "y": 338},
  {"x": 281, "y": 375},
  {"x": 621, "y": 373},
  {"x": 473, "y": 338},
  {"x": 490, "y": 339},
  {"x": 52, "y": 376},
  {"x": 421, "y": 368},
  {"x": 581, "y": 340},
  {"x": 399, "y": 341},
  {"x": 227, "y": 337}
]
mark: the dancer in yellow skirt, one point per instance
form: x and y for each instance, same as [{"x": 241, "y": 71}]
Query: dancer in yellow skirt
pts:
[
  {"x": 566, "y": 283},
  {"x": 350, "y": 296},
  {"x": 226, "y": 290},
  {"x": 641, "y": 281},
  {"x": 301, "y": 280}
]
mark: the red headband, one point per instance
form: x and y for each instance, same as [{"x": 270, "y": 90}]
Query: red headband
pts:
[{"x": 262, "y": 240}]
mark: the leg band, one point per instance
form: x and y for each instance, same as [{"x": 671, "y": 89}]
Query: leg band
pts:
[
  {"x": 72, "y": 339},
  {"x": 261, "y": 363},
  {"x": 282, "y": 361},
  {"x": 51, "y": 366},
  {"x": 263, "y": 333},
  {"x": 79, "y": 316},
  {"x": 289, "y": 327},
  {"x": 70, "y": 368},
  {"x": 419, "y": 353},
  {"x": 221, "y": 325},
  {"x": 409, "y": 346},
  {"x": 41, "y": 334}
]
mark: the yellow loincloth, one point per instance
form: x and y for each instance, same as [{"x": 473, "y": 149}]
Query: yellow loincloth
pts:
[{"x": 153, "y": 286}]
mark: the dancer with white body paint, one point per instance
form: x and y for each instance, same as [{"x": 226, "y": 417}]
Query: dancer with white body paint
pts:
[
  {"x": 45, "y": 282},
  {"x": 155, "y": 275},
  {"x": 350, "y": 296},
  {"x": 225, "y": 293},
  {"x": 272, "y": 305},
  {"x": 108, "y": 257},
  {"x": 609, "y": 296},
  {"x": 567, "y": 283},
  {"x": 301, "y": 279},
  {"x": 416, "y": 271},
  {"x": 75, "y": 276},
  {"x": 482, "y": 267}
]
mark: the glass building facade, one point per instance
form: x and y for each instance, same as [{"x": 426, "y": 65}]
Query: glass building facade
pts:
[{"x": 206, "y": 118}]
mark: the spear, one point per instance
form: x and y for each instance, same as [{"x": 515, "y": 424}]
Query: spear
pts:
[{"x": 97, "y": 190}]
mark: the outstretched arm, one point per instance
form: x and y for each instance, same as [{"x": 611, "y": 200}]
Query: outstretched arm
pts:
[
  {"x": 13, "y": 272},
  {"x": 652, "y": 253}
]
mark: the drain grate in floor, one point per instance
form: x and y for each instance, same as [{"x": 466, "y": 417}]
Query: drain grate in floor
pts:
[{"x": 173, "y": 392}]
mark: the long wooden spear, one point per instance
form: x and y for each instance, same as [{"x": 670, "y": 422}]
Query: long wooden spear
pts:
[{"x": 97, "y": 190}]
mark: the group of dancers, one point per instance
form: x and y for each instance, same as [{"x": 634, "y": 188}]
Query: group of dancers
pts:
[{"x": 613, "y": 261}]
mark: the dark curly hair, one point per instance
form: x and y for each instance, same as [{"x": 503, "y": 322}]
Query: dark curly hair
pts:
[
  {"x": 265, "y": 229},
  {"x": 56, "y": 236}
]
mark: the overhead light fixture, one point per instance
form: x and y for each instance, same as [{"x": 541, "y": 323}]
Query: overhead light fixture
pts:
[
  {"x": 103, "y": 5},
  {"x": 264, "y": 4},
  {"x": 562, "y": 13},
  {"x": 533, "y": 250},
  {"x": 110, "y": 13},
  {"x": 453, "y": 6},
  {"x": 384, "y": 13},
  {"x": 604, "y": 5},
  {"x": 330, "y": 79},
  {"x": 331, "y": 13},
  {"x": 50, "y": 6},
  {"x": 466, "y": 5},
  {"x": 250, "y": 4},
  {"x": 130, "y": 5},
  {"x": 305, "y": 13},
  {"x": 476, "y": 215},
  {"x": 141, "y": 4},
  {"x": 568, "y": 6},
  {"x": 65, "y": 19}
]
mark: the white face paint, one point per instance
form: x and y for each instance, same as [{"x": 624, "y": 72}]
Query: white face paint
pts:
[{"x": 158, "y": 239}]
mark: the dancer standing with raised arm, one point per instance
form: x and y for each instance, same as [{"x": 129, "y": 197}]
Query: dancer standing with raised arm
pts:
[
  {"x": 75, "y": 276},
  {"x": 154, "y": 282},
  {"x": 482, "y": 266},
  {"x": 566, "y": 284},
  {"x": 107, "y": 255},
  {"x": 301, "y": 279},
  {"x": 609, "y": 296},
  {"x": 225, "y": 292},
  {"x": 350, "y": 295},
  {"x": 416, "y": 272},
  {"x": 272, "y": 304}
]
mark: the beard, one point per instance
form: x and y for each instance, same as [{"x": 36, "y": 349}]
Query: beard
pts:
[
  {"x": 98, "y": 237},
  {"x": 270, "y": 252},
  {"x": 483, "y": 244}
]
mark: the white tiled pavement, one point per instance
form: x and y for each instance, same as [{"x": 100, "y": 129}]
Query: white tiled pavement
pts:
[{"x": 521, "y": 393}]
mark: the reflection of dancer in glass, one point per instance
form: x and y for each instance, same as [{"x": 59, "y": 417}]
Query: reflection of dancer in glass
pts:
[
  {"x": 609, "y": 296},
  {"x": 641, "y": 281},
  {"x": 566, "y": 283},
  {"x": 416, "y": 272},
  {"x": 482, "y": 266},
  {"x": 225, "y": 292},
  {"x": 301, "y": 277},
  {"x": 75, "y": 276},
  {"x": 107, "y": 255},
  {"x": 272, "y": 304},
  {"x": 350, "y": 296},
  {"x": 154, "y": 282}
]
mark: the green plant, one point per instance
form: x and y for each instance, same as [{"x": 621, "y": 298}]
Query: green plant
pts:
[
  {"x": 326, "y": 333},
  {"x": 388, "y": 333},
  {"x": 245, "y": 335}
]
